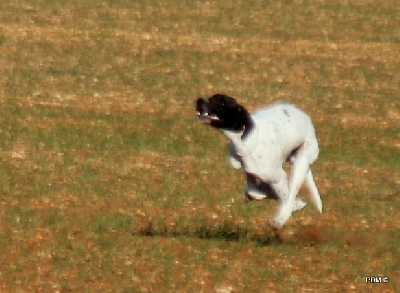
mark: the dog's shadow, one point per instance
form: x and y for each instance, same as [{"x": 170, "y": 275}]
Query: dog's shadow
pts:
[{"x": 229, "y": 231}]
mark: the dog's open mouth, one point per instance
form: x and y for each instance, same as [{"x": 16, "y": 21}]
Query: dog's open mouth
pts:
[{"x": 207, "y": 117}]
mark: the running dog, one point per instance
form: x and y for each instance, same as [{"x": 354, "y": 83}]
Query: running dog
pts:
[{"x": 260, "y": 143}]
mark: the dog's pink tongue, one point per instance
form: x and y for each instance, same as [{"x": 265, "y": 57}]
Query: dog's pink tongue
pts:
[{"x": 212, "y": 117}]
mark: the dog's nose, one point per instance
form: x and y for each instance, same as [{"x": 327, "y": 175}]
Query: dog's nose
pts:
[{"x": 201, "y": 106}]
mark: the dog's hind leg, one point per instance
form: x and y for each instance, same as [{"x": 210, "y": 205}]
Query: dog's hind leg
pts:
[
  {"x": 280, "y": 187},
  {"x": 315, "y": 197},
  {"x": 305, "y": 155},
  {"x": 299, "y": 173}
]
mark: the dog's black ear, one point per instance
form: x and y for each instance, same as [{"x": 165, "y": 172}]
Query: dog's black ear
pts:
[{"x": 246, "y": 120}]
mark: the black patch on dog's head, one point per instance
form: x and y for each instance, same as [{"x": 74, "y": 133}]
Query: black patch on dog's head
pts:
[{"x": 224, "y": 112}]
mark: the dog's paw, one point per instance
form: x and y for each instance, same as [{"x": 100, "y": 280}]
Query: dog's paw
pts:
[
  {"x": 235, "y": 163},
  {"x": 275, "y": 224},
  {"x": 254, "y": 195},
  {"x": 247, "y": 197},
  {"x": 279, "y": 220}
]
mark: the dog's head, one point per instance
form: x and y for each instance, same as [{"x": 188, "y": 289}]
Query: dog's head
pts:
[{"x": 225, "y": 113}]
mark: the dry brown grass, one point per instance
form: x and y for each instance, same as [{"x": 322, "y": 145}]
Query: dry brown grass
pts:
[{"x": 108, "y": 183}]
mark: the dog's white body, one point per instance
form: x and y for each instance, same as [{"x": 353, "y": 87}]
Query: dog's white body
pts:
[{"x": 280, "y": 133}]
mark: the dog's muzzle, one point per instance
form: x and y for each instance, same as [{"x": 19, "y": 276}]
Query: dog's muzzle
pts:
[
  {"x": 206, "y": 117},
  {"x": 203, "y": 112}
]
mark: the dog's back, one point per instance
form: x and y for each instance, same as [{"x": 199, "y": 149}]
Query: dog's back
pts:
[{"x": 287, "y": 125}]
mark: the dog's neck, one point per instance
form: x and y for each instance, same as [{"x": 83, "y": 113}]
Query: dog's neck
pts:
[{"x": 244, "y": 144}]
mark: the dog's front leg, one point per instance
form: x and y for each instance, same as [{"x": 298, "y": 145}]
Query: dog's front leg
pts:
[
  {"x": 234, "y": 158},
  {"x": 285, "y": 208}
]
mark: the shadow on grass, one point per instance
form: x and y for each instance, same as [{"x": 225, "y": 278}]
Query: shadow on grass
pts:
[
  {"x": 216, "y": 229},
  {"x": 226, "y": 231}
]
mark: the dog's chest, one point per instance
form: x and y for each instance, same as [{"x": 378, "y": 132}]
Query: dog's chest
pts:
[
  {"x": 252, "y": 165},
  {"x": 262, "y": 162},
  {"x": 255, "y": 164}
]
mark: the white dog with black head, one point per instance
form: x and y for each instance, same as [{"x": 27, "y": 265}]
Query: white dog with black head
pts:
[{"x": 260, "y": 143}]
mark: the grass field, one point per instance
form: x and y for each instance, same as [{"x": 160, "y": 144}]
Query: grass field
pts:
[{"x": 108, "y": 183}]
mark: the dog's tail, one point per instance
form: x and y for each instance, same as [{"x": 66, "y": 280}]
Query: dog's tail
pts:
[{"x": 315, "y": 197}]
